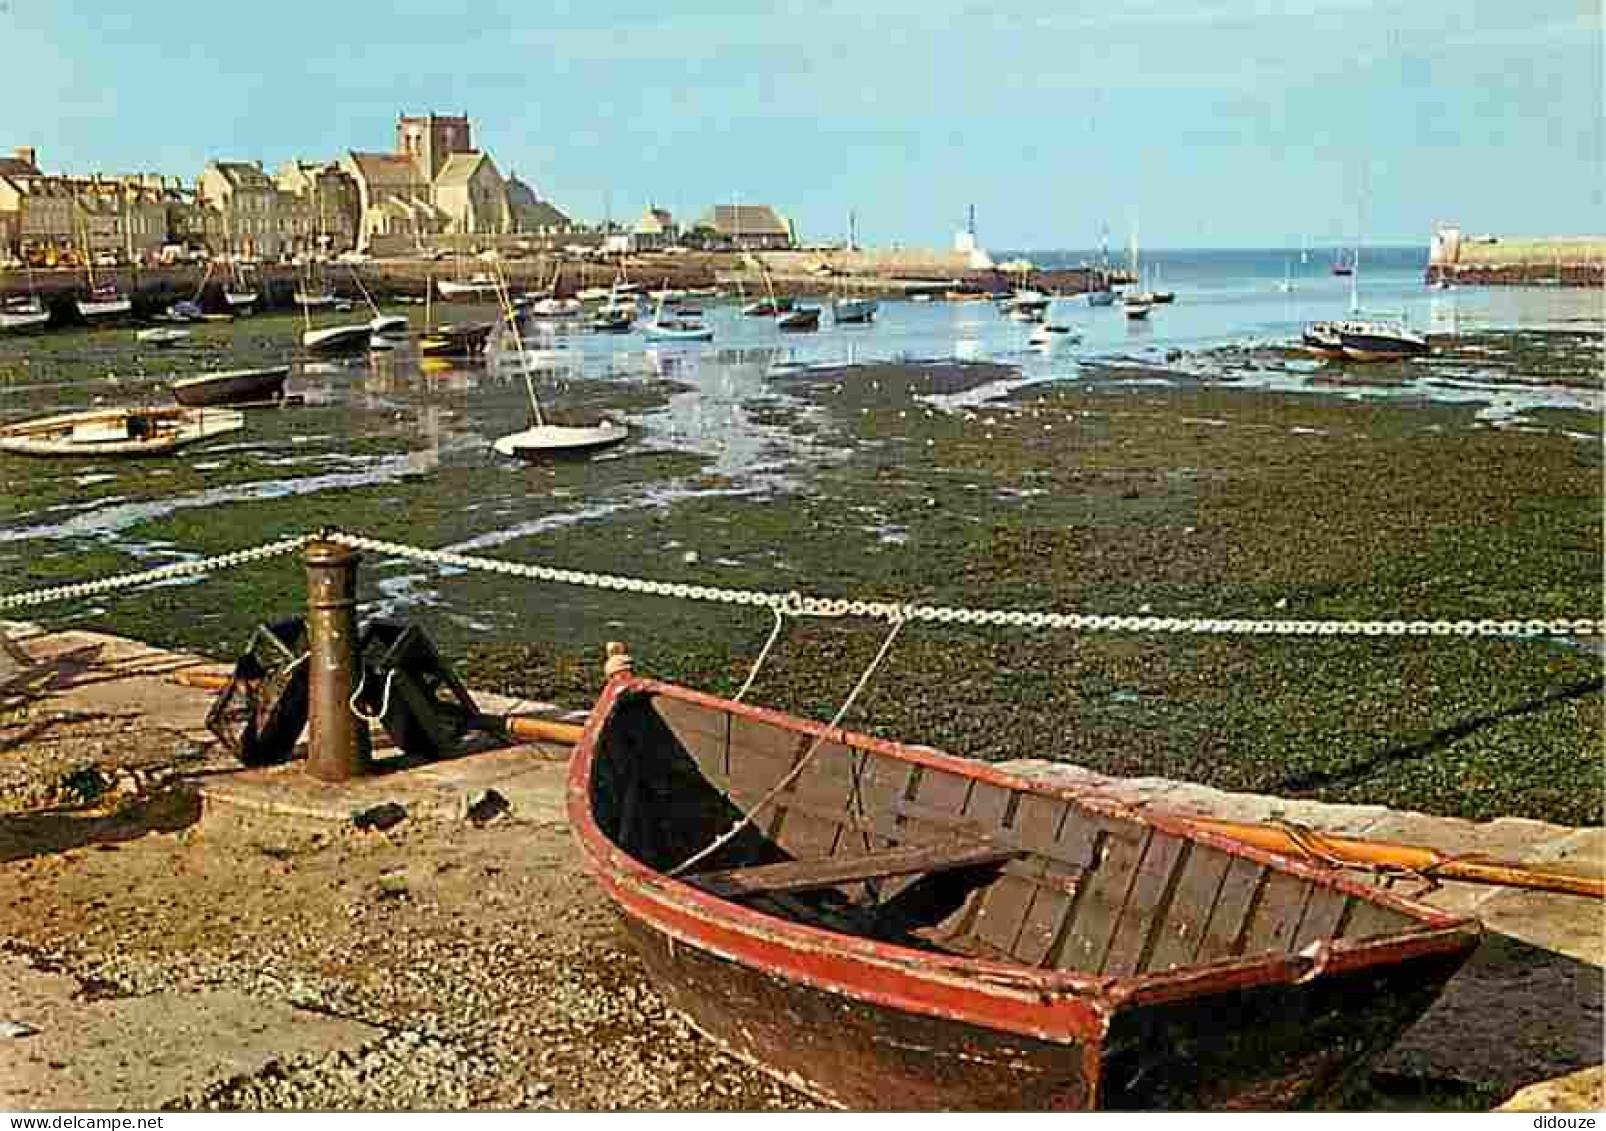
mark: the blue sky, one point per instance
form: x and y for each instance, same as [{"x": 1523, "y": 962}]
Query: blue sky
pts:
[{"x": 1235, "y": 123}]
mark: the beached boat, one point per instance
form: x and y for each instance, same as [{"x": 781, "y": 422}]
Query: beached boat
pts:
[
  {"x": 338, "y": 339},
  {"x": 1380, "y": 339},
  {"x": 1105, "y": 297},
  {"x": 466, "y": 340},
  {"x": 1322, "y": 339},
  {"x": 21, "y": 313},
  {"x": 1136, "y": 305},
  {"x": 545, "y": 441},
  {"x": 161, "y": 336},
  {"x": 232, "y": 386},
  {"x": 886, "y": 926},
  {"x": 104, "y": 303},
  {"x": 382, "y": 324},
  {"x": 1050, "y": 333},
  {"x": 117, "y": 431}
]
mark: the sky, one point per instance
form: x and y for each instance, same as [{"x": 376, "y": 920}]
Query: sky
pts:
[{"x": 1236, "y": 123}]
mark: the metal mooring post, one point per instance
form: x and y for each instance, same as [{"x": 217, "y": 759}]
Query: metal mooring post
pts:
[{"x": 339, "y": 747}]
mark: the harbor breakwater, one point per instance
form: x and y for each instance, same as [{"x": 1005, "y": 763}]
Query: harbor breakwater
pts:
[{"x": 1488, "y": 260}]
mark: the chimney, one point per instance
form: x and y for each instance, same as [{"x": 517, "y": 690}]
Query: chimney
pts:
[{"x": 27, "y": 153}]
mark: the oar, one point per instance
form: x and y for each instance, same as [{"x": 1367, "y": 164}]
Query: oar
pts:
[{"x": 1429, "y": 863}]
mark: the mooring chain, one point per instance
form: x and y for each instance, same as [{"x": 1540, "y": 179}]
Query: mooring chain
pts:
[
  {"x": 176, "y": 571},
  {"x": 797, "y": 605}
]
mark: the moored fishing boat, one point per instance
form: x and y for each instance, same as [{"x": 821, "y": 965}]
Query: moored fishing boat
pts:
[
  {"x": 798, "y": 320},
  {"x": 337, "y": 339},
  {"x": 231, "y": 386},
  {"x": 853, "y": 311},
  {"x": 117, "y": 432},
  {"x": 465, "y": 340},
  {"x": 884, "y": 925},
  {"x": 21, "y": 313}
]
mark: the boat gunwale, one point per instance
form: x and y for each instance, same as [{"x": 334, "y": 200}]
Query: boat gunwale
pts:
[{"x": 1052, "y": 1004}]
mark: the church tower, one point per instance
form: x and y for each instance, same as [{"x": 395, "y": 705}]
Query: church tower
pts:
[{"x": 431, "y": 139}]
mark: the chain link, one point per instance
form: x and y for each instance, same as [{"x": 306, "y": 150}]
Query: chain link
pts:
[
  {"x": 176, "y": 571},
  {"x": 795, "y": 604}
]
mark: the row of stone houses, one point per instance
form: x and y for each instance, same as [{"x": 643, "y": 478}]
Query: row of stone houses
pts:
[{"x": 433, "y": 189}]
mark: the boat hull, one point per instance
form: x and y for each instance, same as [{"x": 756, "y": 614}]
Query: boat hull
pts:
[
  {"x": 1101, "y": 298},
  {"x": 23, "y": 323},
  {"x": 1287, "y": 1047},
  {"x": 1102, "y": 971},
  {"x": 1380, "y": 347},
  {"x": 854, "y": 311},
  {"x": 557, "y": 441},
  {"x": 117, "y": 432},
  {"x": 244, "y": 386},
  {"x": 455, "y": 341},
  {"x": 337, "y": 340},
  {"x": 106, "y": 310}
]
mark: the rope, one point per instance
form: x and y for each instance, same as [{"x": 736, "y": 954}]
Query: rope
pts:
[
  {"x": 775, "y": 634},
  {"x": 792, "y": 775},
  {"x": 384, "y": 699}
]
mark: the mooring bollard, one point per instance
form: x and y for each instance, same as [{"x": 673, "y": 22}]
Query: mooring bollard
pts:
[{"x": 338, "y": 748}]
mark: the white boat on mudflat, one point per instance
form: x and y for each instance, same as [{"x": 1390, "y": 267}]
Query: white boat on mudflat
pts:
[
  {"x": 104, "y": 304},
  {"x": 546, "y": 441},
  {"x": 338, "y": 339},
  {"x": 240, "y": 300},
  {"x": 232, "y": 386},
  {"x": 388, "y": 324},
  {"x": 161, "y": 336},
  {"x": 23, "y": 313},
  {"x": 118, "y": 431},
  {"x": 314, "y": 300}
]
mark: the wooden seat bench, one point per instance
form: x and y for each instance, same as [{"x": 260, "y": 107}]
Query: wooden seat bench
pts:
[{"x": 830, "y": 871}]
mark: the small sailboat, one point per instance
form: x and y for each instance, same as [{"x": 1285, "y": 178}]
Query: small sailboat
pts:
[
  {"x": 22, "y": 313},
  {"x": 479, "y": 286},
  {"x": 457, "y": 340},
  {"x": 544, "y": 439},
  {"x": 238, "y": 292},
  {"x": 1136, "y": 302},
  {"x": 118, "y": 431},
  {"x": 677, "y": 328},
  {"x": 1287, "y": 285}
]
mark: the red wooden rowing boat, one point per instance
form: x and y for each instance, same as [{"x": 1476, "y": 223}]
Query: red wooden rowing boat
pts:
[{"x": 886, "y": 926}]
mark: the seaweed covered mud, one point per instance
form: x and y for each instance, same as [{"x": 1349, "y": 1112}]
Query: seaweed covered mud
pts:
[{"x": 1221, "y": 481}]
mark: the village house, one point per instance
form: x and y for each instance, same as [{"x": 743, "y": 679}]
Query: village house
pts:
[
  {"x": 241, "y": 210},
  {"x": 48, "y": 219},
  {"x": 319, "y": 207},
  {"x": 755, "y": 227},
  {"x": 654, "y": 231}
]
